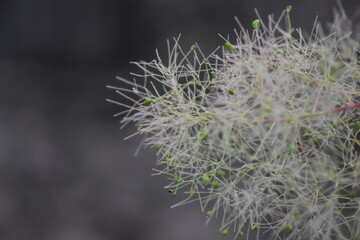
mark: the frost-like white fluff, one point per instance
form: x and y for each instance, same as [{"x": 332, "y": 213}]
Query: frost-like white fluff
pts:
[{"x": 263, "y": 132}]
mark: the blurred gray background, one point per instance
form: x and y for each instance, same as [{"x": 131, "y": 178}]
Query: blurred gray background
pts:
[{"x": 65, "y": 171}]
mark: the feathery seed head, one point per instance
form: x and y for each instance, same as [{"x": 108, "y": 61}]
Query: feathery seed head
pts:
[{"x": 272, "y": 123}]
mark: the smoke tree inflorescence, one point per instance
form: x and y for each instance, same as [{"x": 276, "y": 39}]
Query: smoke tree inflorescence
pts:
[{"x": 263, "y": 132}]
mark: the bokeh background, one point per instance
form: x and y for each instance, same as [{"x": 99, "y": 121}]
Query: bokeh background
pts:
[{"x": 65, "y": 171}]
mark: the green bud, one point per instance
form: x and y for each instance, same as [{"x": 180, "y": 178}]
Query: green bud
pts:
[
  {"x": 205, "y": 178},
  {"x": 357, "y": 126},
  {"x": 209, "y": 213},
  {"x": 220, "y": 173},
  {"x": 231, "y": 91},
  {"x": 266, "y": 108},
  {"x": 193, "y": 47},
  {"x": 191, "y": 192},
  {"x": 291, "y": 122},
  {"x": 158, "y": 147},
  {"x": 280, "y": 51},
  {"x": 229, "y": 47},
  {"x": 307, "y": 134},
  {"x": 204, "y": 136},
  {"x": 255, "y": 227},
  {"x": 255, "y": 24},
  {"x": 168, "y": 154},
  {"x": 292, "y": 148},
  {"x": 176, "y": 179},
  {"x": 139, "y": 128},
  {"x": 225, "y": 232},
  {"x": 148, "y": 101},
  {"x": 297, "y": 215},
  {"x": 335, "y": 124},
  {"x": 288, "y": 228},
  {"x": 315, "y": 140},
  {"x": 336, "y": 213},
  {"x": 288, "y": 9},
  {"x": 216, "y": 185},
  {"x": 232, "y": 139},
  {"x": 240, "y": 233}
]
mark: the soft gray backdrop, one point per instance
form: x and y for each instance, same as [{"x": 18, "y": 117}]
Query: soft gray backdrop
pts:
[{"x": 65, "y": 171}]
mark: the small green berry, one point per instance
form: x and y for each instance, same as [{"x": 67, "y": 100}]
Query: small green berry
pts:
[
  {"x": 139, "y": 128},
  {"x": 315, "y": 140},
  {"x": 357, "y": 126},
  {"x": 168, "y": 154},
  {"x": 193, "y": 47},
  {"x": 231, "y": 91},
  {"x": 176, "y": 179},
  {"x": 288, "y": 228},
  {"x": 216, "y": 185},
  {"x": 292, "y": 148},
  {"x": 240, "y": 233},
  {"x": 225, "y": 232},
  {"x": 158, "y": 147},
  {"x": 336, "y": 213},
  {"x": 220, "y": 173},
  {"x": 191, "y": 192},
  {"x": 229, "y": 47},
  {"x": 148, "y": 101},
  {"x": 205, "y": 178},
  {"x": 255, "y": 227},
  {"x": 232, "y": 139},
  {"x": 204, "y": 136},
  {"x": 209, "y": 213},
  {"x": 255, "y": 24},
  {"x": 307, "y": 134}
]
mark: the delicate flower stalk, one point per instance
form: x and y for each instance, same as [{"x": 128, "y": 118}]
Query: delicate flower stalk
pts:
[{"x": 264, "y": 131}]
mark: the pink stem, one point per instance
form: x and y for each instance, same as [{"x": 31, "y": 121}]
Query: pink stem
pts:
[{"x": 340, "y": 109}]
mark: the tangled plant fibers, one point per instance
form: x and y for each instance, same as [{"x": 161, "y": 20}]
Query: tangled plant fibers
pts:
[{"x": 264, "y": 132}]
